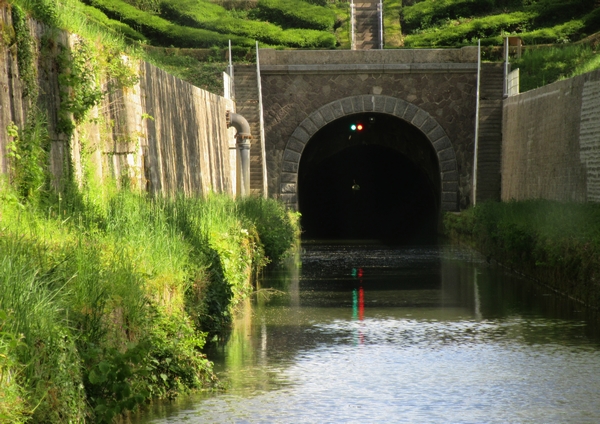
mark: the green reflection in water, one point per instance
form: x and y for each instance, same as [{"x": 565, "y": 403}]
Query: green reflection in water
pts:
[{"x": 445, "y": 318}]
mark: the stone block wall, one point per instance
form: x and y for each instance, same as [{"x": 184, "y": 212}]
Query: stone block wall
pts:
[
  {"x": 551, "y": 142},
  {"x": 442, "y": 83}
]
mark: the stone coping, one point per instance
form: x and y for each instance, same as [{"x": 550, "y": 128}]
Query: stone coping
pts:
[
  {"x": 396, "y": 68},
  {"x": 366, "y": 57}
]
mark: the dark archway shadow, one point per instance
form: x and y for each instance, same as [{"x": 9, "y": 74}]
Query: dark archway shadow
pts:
[{"x": 367, "y": 186}]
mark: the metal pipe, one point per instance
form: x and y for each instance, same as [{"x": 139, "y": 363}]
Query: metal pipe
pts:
[
  {"x": 240, "y": 124},
  {"x": 243, "y": 148}
]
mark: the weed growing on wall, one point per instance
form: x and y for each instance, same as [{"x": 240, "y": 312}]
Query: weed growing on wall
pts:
[
  {"x": 80, "y": 85},
  {"x": 26, "y": 54},
  {"x": 27, "y": 154}
]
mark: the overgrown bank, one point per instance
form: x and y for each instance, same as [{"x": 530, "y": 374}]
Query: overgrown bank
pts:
[
  {"x": 104, "y": 305},
  {"x": 555, "y": 243}
]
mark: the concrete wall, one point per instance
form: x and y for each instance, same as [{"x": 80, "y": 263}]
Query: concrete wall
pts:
[
  {"x": 551, "y": 142},
  {"x": 163, "y": 135},
  {"x": 439, "y": 82}
]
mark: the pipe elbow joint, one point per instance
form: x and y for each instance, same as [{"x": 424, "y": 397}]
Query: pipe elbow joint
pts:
[{"x": 240, "y": 124}]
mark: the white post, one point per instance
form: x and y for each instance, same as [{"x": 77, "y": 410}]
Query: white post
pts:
[
  {"x": 352, "y": 23},
  {"x": 475, "y": 154},
  {"x": 380, "y": 13},
  {"x": 262, "y": 127},
  {"x": 505, "y": 85},
  {"x": 230, "y": 73}
]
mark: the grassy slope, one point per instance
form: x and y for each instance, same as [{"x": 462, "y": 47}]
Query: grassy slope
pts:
[
  {"x": 178, "y": 26},
  {"x": 549, "y": 25}
]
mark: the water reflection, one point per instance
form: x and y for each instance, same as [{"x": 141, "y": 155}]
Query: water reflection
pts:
[{"x": 427, "y": 334}]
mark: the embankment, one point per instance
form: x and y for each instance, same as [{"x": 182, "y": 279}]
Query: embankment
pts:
[{"x": 554, "y": 243}]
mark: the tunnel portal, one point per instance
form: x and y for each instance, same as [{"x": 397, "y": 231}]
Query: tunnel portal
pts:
[{"x": 369, "y": 176}]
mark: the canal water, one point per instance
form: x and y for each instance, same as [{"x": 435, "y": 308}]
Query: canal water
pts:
[{"x": 428, "y": 334}]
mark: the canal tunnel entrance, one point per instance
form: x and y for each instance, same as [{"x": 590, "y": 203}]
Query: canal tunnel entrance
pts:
[{"x": 369, "y": 176}]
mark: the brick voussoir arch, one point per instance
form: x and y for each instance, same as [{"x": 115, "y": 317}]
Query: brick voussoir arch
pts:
[{"x": 379, "y": 104}]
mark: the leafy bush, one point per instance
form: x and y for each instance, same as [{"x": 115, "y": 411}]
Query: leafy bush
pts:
[
  {"x": 276, "y": 228},
  {"x": 427, "y": 13},
  {"x": 162, "y": 32},
  {"x": 295, "y": 14},
  {"x": 97, "y": 16},
  {"x": 550, "y": 12},
  {"x": 469, "y": 30},
  {"x": 209, "y": 16},
  {"x": 460, "y": 22}
]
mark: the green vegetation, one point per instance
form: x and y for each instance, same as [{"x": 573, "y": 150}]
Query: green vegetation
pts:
[
  {"x": 212, "y": 17},
  {"x": 107, "y": 296},
  {"x": 544, "y": 65},
  {"x": 295, "y": 14},
  {"x": 197, "y": 24},
  {"x": 185, "y": 27},
  {"x": 108, "y": 304},
  {"x": 462, "y": 22},
  {"x": 546, "y": 27},
  {"x": 163, "y": 32},
  {"x": 557, "y": 243}
]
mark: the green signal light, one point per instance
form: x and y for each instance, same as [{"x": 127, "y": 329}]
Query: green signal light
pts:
[{"x": 353, "y": 127}]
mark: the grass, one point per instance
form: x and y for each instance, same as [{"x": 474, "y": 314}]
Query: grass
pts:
[
  {"x": 107, "y": 304},
  {"x": 557, "y": 243},
  {"x": 543, "y": 65}
]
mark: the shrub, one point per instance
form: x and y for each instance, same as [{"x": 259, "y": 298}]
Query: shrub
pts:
[
  {"x": 211, "y": 17},
  {"x": 276, "y": 229},
  {"x": 162, "y": 32},
  {"x": 468, "y": 31},
  {"x": 295, "y": 14},
  {"x": 544, "y": 65},
  {"x": 427, "y": 13},
  {"x": 97, "y": 16}
]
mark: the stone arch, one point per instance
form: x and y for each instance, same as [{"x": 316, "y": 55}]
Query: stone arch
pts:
[{"x": 379, "y": 104}]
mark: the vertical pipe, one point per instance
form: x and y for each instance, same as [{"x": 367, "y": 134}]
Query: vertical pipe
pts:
[
  {"x": 263, "y": 152},
  {"x": 243, "y": 147},
  {"x": 476, "y": 150}
]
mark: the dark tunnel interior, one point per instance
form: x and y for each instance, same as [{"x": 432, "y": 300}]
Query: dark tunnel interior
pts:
[{"x": 380, "y": 183}]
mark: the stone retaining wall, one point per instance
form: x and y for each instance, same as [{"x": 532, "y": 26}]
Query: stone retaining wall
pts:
[
  {"x": 163, "y": 135},
  {"x": 551, "y": 142},
  {"x": 441, "y": 83}
]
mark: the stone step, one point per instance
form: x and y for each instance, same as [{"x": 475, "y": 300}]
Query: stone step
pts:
[{"x": 246, "y": 94}]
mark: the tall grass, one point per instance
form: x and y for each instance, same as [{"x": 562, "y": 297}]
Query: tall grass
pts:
[
  {"x": 557, "y": 243},
  {"x": 113, "y": 301},
  {"x": 544, "y": 65}
]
